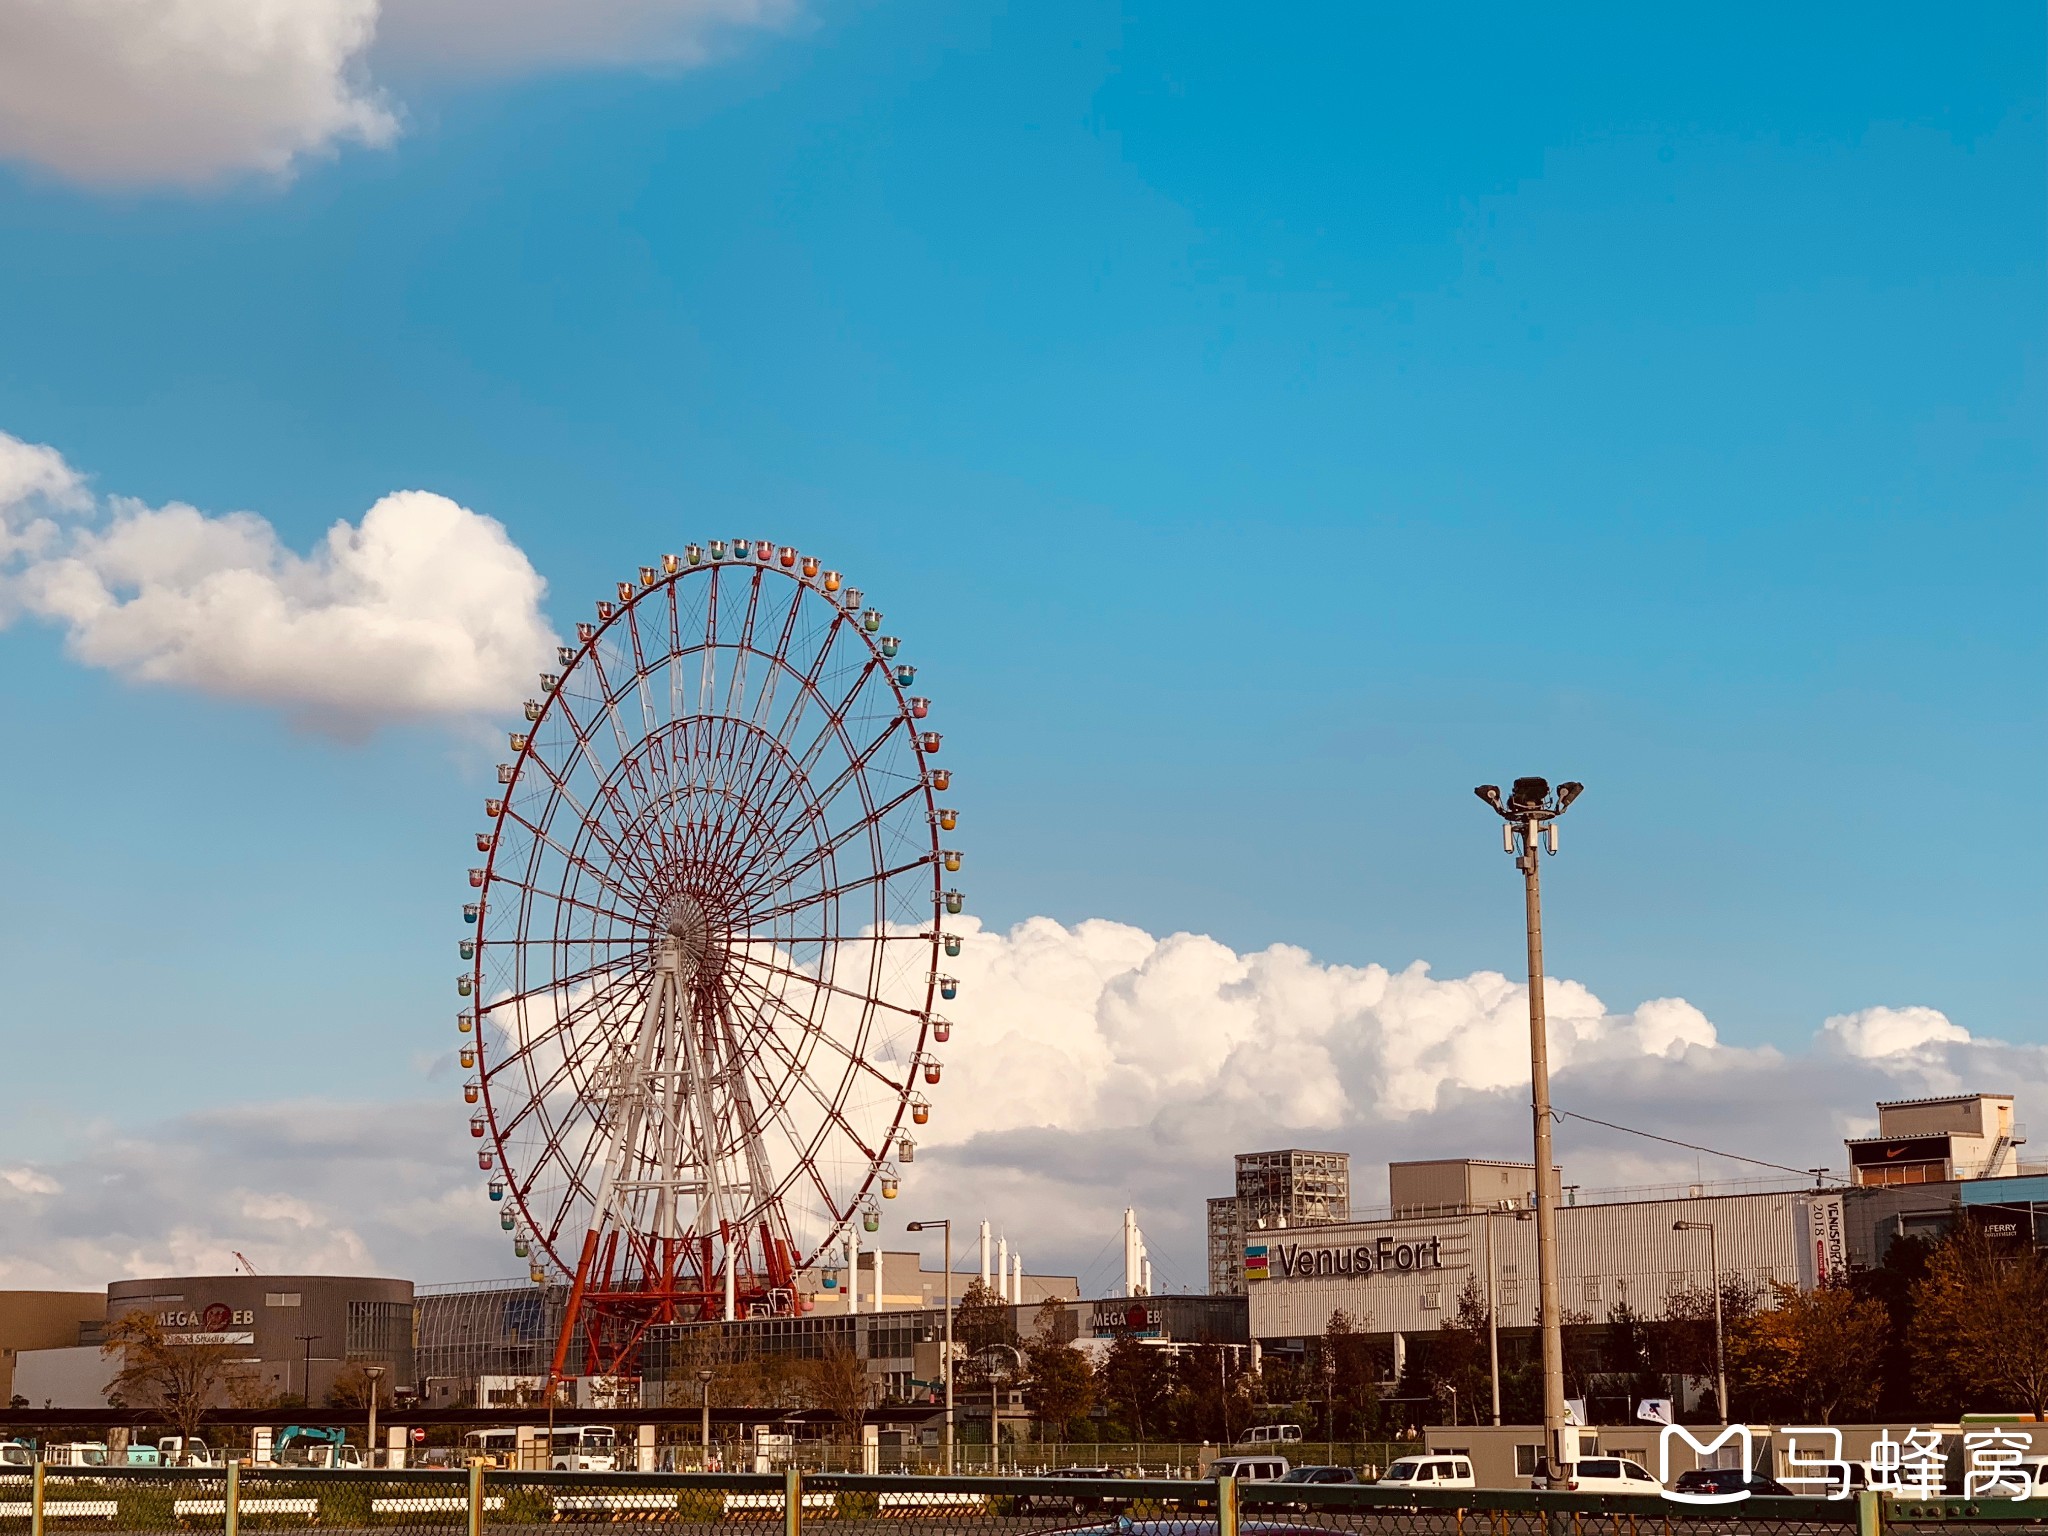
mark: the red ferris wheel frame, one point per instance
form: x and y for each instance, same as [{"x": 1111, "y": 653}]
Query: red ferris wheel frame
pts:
[{"x": 707, "y": 945}]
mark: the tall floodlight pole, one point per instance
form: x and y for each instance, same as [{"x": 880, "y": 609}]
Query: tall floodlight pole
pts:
[
  {"x": 1528, "y": 817},
  {"x": 946, "y": 1358}
]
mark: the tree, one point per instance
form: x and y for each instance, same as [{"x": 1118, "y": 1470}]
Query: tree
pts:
[
  {"x": 838, "y": 1382},
  {"x": 1981, "y": 1324},
  {"x": 1815, "y": 1356},
  {"x": 352, "y": 1389},
  {"x": 1902, "y": 1394},
  {"x": 1136, "y": 1382},
  {"x": 1059, "y": 1383},
  {"x": 1349, "y": 1376},
  {"x": 1687, "y": 1335},
  {"x": 160, "y": 1372},
  {"x": 982, "y": 1319}
]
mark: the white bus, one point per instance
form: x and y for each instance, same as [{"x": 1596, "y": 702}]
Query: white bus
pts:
[{"x": 576, "y": 1447}]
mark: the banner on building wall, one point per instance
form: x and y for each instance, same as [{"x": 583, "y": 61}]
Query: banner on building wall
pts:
[{"x": 1827, "y": 1241}]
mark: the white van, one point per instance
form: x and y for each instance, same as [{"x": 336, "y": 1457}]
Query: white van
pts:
[
  {"x": 1271, "y": 1434},
  {"x": 1610, "y": 1474},
  {"x": 1250, "y": 1469},
  {"x": 1430, "y": 1472}
]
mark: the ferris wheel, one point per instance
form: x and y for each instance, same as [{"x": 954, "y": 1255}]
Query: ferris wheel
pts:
[{"x": 707, "y": 939}]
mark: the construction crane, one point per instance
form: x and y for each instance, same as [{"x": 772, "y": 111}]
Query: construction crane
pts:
[{"x": 242, "y": 1259}]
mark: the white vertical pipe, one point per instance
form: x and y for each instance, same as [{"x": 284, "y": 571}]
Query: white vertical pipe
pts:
[
  {"x": 853, "y": 1268},
  {"x": 984, "y": 1254},
  {"x": 1003, "y": 1268},
  {"x": 1016, "y": 1279},
  {"x": 878, "y": 1277}
]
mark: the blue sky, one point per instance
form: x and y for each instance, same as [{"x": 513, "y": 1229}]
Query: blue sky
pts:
[{"x": 1266, "y": 430}]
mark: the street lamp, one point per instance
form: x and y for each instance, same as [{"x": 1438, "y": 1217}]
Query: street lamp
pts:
[
  {"x": 373, "y": 1373},
  {"x": 306, "y": 1386},
  {"x": 995, "y": 1401},
  {"x": 1713, "y": 1258},
  {"x": 1528, "y": 816},
  {"x": 946, "y": 1357},
  {"x": 704, "y": 1426}
]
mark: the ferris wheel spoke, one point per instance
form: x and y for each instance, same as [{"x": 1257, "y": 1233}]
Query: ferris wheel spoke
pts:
[
  {"x": 605, "y": 779},
  {"x": 834, "y": 892},
  {"x": 804, "y": 1147},
  {"x": 652, "y": 722},
  {"x": 590, "y": 823},
  {"x": 819, "y": 985},
  {"x": 549, "y": 893},
  {"x": 564, "y": 1018},
  {"x": 803, "y": 762},
  {"x": 552, "y": 984},
  {"x": 604, "y": 699},
  {"x": 736, "y": 680},
  {"x": 800, "y": 1075},
  {"x": 819, "y": 804},
  {"x": 786, "y": 875},
  {"x": 816, "y": 1031}
]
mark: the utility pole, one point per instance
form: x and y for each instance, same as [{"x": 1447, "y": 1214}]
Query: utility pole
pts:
[{"x": 1528, "y": 817}]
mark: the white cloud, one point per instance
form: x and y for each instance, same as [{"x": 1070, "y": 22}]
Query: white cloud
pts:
[
  {"x": 424, "y": 608},
  {"x": 1091, "y": 1067},
  {"x": 186, "y": 92},
  {"x": 139, "y": 91},
  {"x": 524, "y": 34},
  {"x": 299, "y": 1188}
]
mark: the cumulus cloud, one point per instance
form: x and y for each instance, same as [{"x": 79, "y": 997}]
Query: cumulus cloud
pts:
[
  {"x": 132, "y": 92},
  {"x": 526, "y": 34},
  {"x": 135, "y": 91},
  {"x": 1091, "y": 1067},
  {"x": 298, "y": 1188},
  {"x": 423, "y": 608}
]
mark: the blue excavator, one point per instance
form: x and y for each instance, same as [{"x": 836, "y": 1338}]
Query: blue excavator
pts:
[{"x": 323, "y": 1449}]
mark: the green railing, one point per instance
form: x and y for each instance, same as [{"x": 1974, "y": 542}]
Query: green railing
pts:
[{"x": 481, "y": 1501}]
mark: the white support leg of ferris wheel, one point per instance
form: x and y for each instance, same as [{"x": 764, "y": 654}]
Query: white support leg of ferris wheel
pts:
[
  {"x": 630, "y": 1101},
  {"x": 712, "y": 1213}
]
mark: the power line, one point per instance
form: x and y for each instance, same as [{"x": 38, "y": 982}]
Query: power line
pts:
[{"x": 1817, "y": 1174}]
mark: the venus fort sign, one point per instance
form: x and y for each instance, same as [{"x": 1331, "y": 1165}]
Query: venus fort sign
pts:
[{"x": 1300, "y": 1261}]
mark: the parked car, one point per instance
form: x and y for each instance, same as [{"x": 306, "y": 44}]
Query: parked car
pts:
[
  {"x": 1730, "y": 1480},
  {"x": 1250, "y": 1469},
  {"x": 1430, "y": 1472},
  {"x": 1320, "y": 1475},
  {"x": 1076, "y": 1503},
  {"x": 1607, "y": 1474},
  {"x": 15, "y": 1456}
]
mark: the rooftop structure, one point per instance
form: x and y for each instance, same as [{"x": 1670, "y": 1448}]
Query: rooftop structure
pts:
[
  {"x": 1933, "y": 1141},
  {"x": 1292, "y": 1187}
]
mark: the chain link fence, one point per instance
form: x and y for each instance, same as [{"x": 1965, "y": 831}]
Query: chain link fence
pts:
[{"x": 480, "y": 1501}]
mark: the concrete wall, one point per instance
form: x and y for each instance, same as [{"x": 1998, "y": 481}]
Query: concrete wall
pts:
[
  {"x": 77, "y": 1377},
  {"x": 42, "y": 1320}
]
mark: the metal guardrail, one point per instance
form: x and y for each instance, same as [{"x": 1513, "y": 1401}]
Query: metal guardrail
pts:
[{"x": 480, "y": 1501}]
